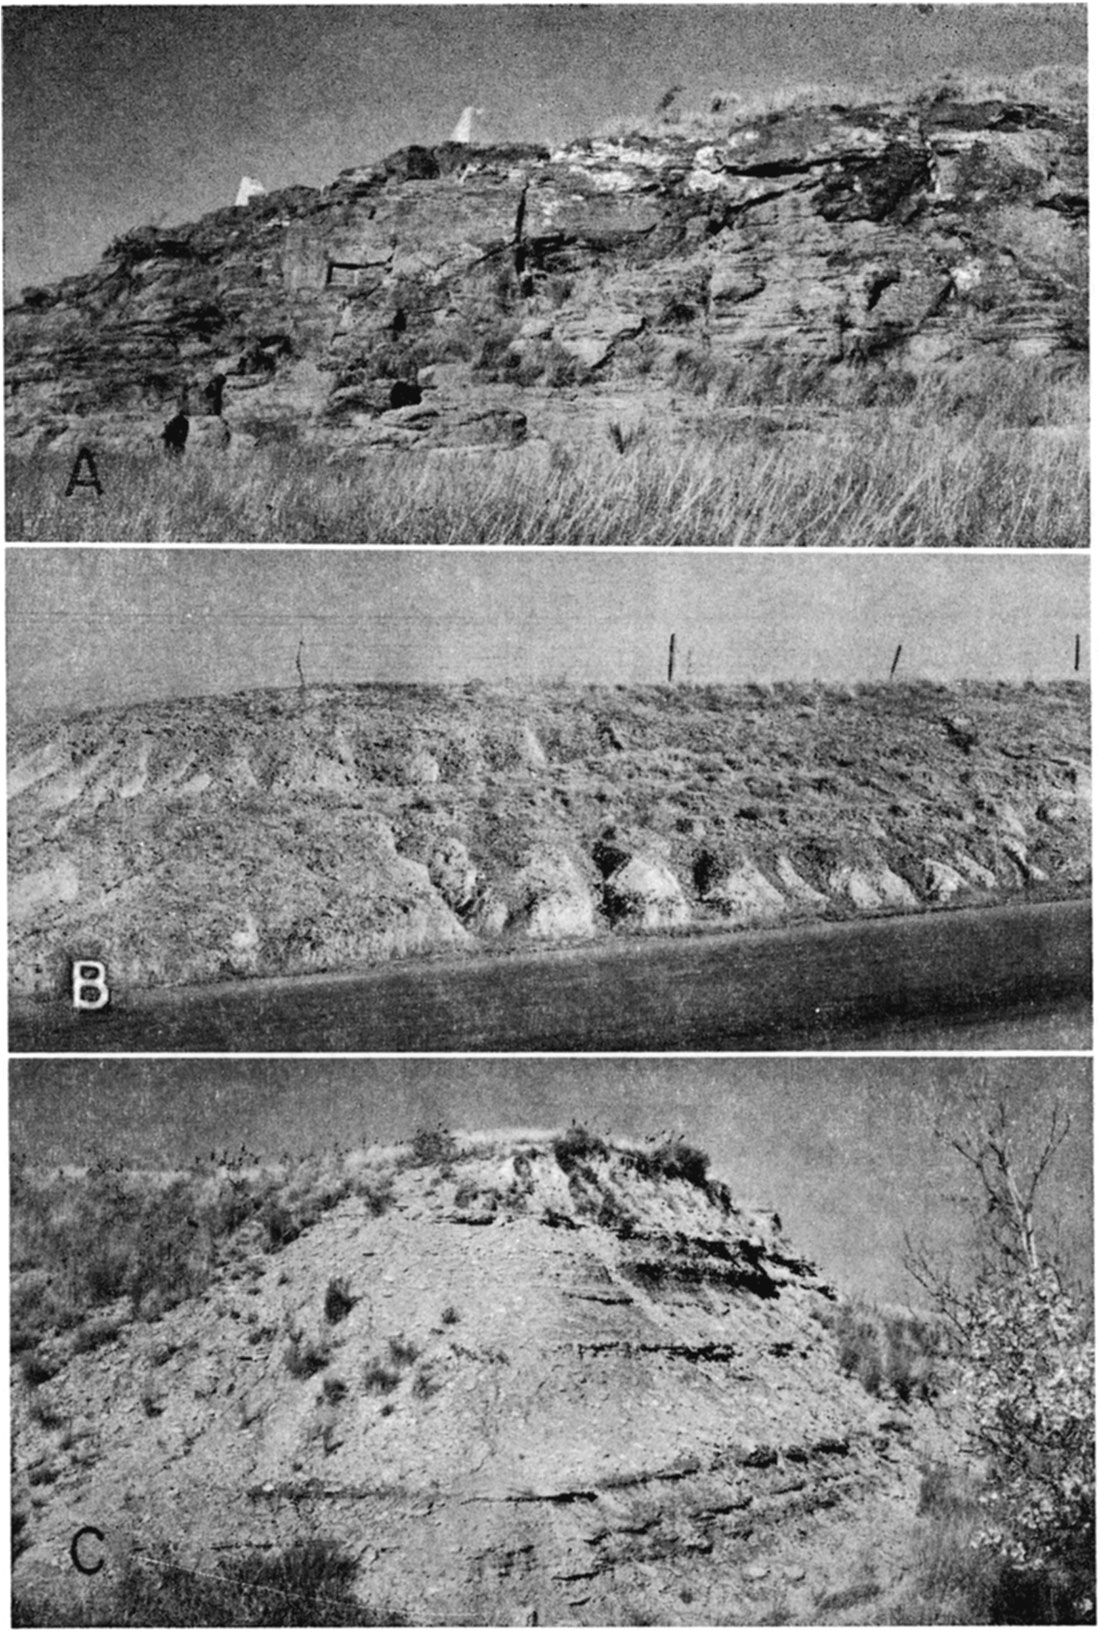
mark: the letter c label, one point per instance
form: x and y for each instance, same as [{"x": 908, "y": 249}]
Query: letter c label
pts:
[{"x": 74, "y": 1549}]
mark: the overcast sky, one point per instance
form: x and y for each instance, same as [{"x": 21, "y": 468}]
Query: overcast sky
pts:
[
  {"x": 117, "y": 116},
  {"x": 842, "y": 1148},
  {"x": 92, "y": 627}
]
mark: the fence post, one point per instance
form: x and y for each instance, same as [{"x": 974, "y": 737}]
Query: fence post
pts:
[
  {"x": 671, "y": 657},
  {"x": 897, "y": 659}
]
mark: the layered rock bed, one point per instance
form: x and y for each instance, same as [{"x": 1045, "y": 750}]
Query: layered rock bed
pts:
[
  {"x": 544, "y": 1379},
  {"x": 459, "y": 296},
  {"x": 298, "y": 831}
]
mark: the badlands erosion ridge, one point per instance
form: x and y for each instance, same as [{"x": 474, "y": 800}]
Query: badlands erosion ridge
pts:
[
  {"x": 513, "y": 1379},
  {"x": 330, "y": 827},
  {"x": 782, "y": 286}
]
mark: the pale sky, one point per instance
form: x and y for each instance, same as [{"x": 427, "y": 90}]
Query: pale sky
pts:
[
  {"x": 842, "y": 1148},
  {"x": 119, "y": 116},
  {"x": 88, "y": 627}
]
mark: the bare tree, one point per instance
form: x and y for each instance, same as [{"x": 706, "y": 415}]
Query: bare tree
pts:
[{"x": 1009, "y": 1164}]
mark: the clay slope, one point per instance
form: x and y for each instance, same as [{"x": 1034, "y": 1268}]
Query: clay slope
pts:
[
  {"x": 282, "y": 832},
  {"x": 562, "y": 1383},
  {"x": 449, "y": 296}
]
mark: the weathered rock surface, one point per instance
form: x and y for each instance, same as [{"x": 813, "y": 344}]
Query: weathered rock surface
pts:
[
  {"x": 444, "y": 297},
  {"x": 281, "y": 832},
  {"x": 556, "y": 1389}
]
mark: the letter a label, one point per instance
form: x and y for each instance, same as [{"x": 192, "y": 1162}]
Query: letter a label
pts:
[
  {"x": 90, "y": 991},
  {"x": 84, "y": 458}
]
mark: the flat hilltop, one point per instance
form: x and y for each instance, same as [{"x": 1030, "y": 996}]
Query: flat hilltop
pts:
[{"x": 285, "y": 832}]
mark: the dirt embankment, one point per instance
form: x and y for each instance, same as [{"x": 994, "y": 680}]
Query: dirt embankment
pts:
[
  {"x": 284, "y": 832},
  {"x": 541, "y": 1381}
]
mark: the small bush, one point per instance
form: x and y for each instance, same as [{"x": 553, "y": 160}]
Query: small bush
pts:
[
  {"x": 279, "y": 1225},
  {"x": 44, "y": 1412},
  {"x": 378, "y": 1195},
  {"x": 403, "y": 1352},
  {"x": 379, "y": 1377},
  {"x": 676, "y": 1159},
  {"x": 36, "y": 1370},
  {"x": 426, "y": 1382},
  {"x": 432, "y": 1146},
  {"x": 333, "y": 1389},
  {"x": 96, "y": 1333},
  {"x": 304, "y": 1358},
  {"x": 450, "y": 1315},
  {"x": 338, "y": 1301},
  {"x": 576, "y": 1146}
]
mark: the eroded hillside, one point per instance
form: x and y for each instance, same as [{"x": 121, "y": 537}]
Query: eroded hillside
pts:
[
  {"x": 472, "y": 296},
  {"x": 533, "y": 1379},
  {"x": 282, "y": 832}
]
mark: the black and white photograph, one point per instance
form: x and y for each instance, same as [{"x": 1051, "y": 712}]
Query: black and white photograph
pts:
[
  {"x": 552, "y": 1342},
  {"x": 631, "y": 275},
  {"x": 547, "y": 712},
  {"x": 392, "y": 801}
]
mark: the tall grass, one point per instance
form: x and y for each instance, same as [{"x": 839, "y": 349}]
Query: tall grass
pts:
[
  {"x": 137, "y": 1245},
  {"x": 892, "y": 481},
  {"x": 957, "y": 1580},
  {"x": 308, "y": 1583}
]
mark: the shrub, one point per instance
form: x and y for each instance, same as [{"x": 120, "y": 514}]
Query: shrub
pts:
[
  {"x": 379, "y": 1377},
  {"x": 96, "y": 1333},
  {"x": 303, "y": 1357},
  {"x": 333, "y": 1389},
  {"x": 378, "y": 1195},
  {"x": 44, "y": 1411},
  {"x": 338, "y": 1301},
  {"x": 1027, "y": 1375},
  {"x": 426, "y": 1382},
  {"x": 279, "y": 1225},
  {"x": 403, "y": 1352},
  {"x": 450, "y": 1315},
  {"x": 36, "y": 1370},
  {"x": 675, "y": 1158},
  {"x": 432, "y": 1146},
  {"x": 577, "y": 1145}
]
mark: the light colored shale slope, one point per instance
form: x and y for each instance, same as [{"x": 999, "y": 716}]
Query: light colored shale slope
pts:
[
  {"x": 283, "y": 832},
  {"x": 559, "y": 1382}
]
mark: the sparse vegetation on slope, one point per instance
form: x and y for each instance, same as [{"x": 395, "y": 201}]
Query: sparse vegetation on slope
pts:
[
  {"x": 353, "y": 824},
  {"x": 639, "y": 1370}
]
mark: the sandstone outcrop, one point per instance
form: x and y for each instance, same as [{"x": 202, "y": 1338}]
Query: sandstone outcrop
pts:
[
  {"x": 282, "y": 832},
  {"x": 450, "y": 296}
]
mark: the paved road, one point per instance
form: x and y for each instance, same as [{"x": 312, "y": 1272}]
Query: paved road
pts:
[{"x": 850, "y": 986}]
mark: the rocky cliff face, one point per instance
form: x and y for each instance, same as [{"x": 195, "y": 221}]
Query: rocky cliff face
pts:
[
  {"x": 562, "y": 1382},
  {"x": 294, "y": 831},
  {"x": 473, "y": 295}
]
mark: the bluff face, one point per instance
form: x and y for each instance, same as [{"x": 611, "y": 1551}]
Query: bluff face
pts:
[
  {"x": 464, "y": 295},
  {"x": 559, "y": 1384},
  {"x": 284, "y": 832}
]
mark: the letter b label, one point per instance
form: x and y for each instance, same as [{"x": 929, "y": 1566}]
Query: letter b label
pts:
[{"x": 90, "y": 986}]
